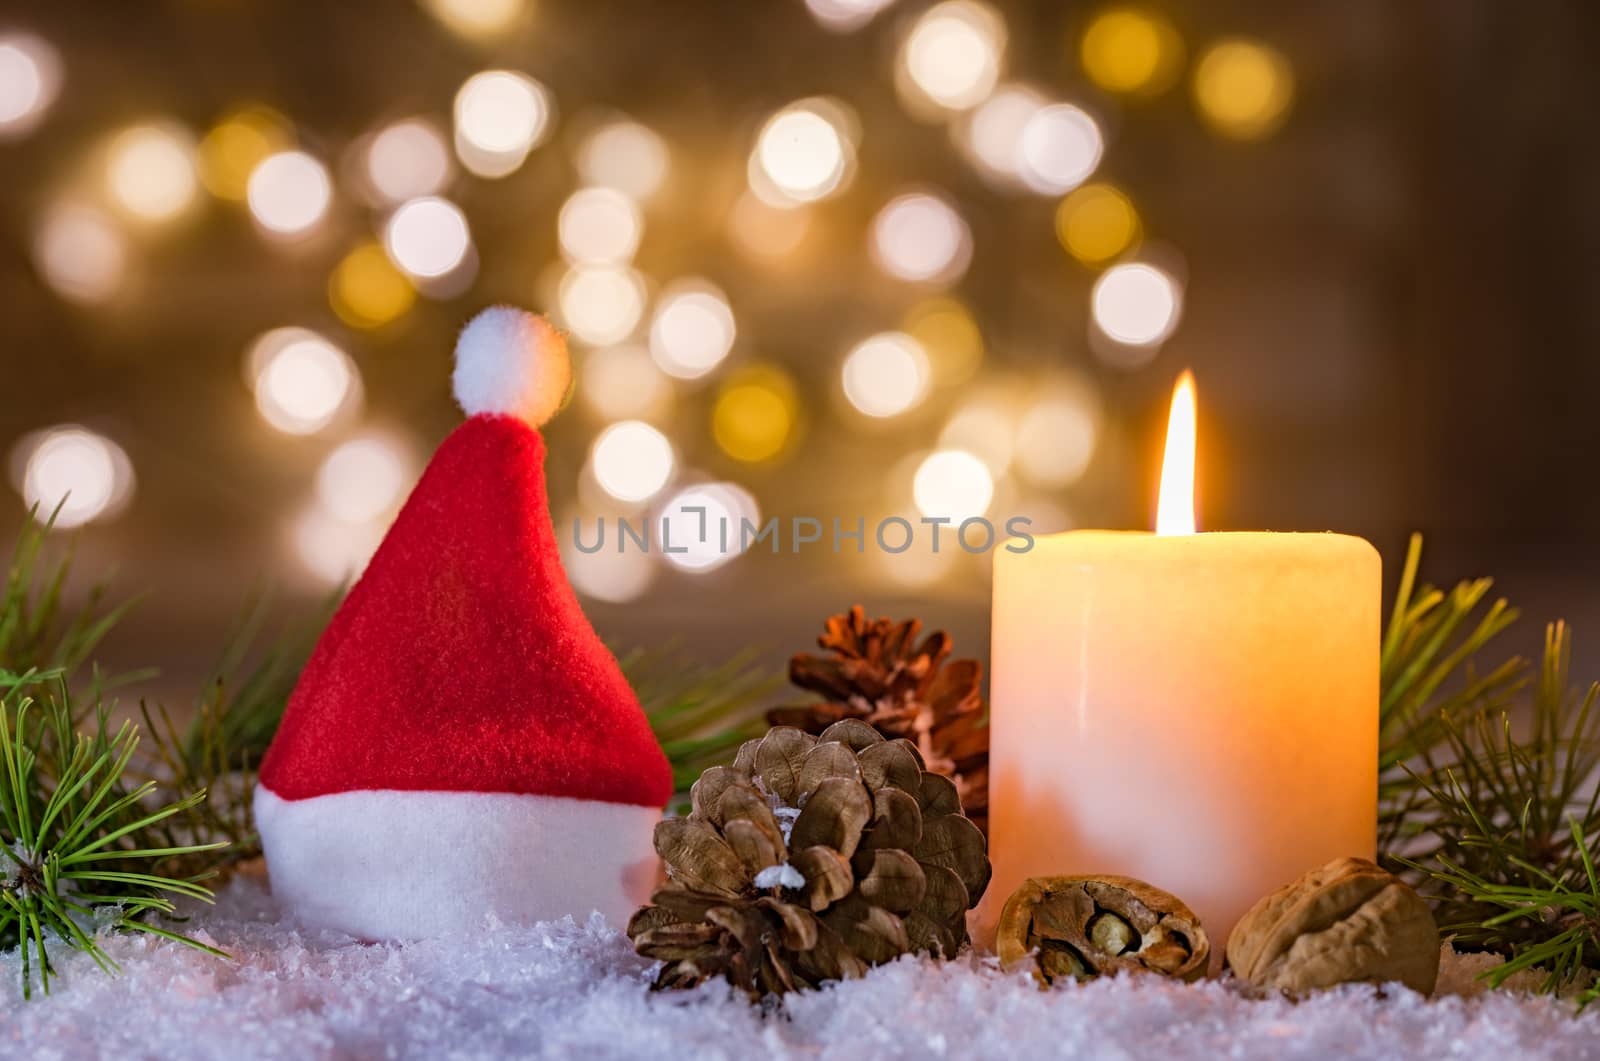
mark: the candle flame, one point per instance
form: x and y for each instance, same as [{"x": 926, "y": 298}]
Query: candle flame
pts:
[{"x": 1175, "y": 510}]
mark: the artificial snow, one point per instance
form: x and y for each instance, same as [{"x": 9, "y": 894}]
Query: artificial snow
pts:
[
  {"x": 782, "y": 875},
  {"x": 563, "y": 990}
]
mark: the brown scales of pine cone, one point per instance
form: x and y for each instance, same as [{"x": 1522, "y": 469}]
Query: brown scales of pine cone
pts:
[
  {"x": 808, "y": 860},
  {"x": 879, "y": 672}
]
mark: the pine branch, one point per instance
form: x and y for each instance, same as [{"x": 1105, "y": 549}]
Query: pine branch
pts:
[{"x": 76, "y": 833}]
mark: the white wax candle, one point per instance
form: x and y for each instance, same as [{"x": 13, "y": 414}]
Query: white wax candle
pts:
[{"x": 1199, "y": 711}]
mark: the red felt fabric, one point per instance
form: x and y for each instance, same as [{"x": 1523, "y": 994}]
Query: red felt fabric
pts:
[{"x": 461, "y": 660}]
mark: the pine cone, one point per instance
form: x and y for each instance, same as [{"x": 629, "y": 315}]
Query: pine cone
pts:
[
  {"x": 880, "y": 673},
  {"x": 810, "y": 859}
]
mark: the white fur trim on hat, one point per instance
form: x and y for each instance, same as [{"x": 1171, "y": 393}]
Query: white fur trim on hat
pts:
[
  {"x": 511, "y": 362},
  {"x": 388, "y": 864}
]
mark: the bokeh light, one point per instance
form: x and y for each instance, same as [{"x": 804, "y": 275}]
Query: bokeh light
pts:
[
  {"x": 150, "y": 171},
  {"x": 362, "y": 480},
  {"x": 1096, "y": 223},
  {"x": 623, "y": 383},
  {"x": 78, "y": 474},
  {"x": 766, "y": 232},
  {"x": 599, "y": 226},
  {"x": 366, "y": 290},
  {"x": 845, "y": 16},
  {"x": 81, "y": 253},
  {"x": 632, "y": 461},
  {"x": 289, "y": 192},
  {"x": 991, "y": 134},
  {"x": 693, "y": 329},
  {"x": 407, "y": 160},
  {"x": 983, "y": 427},
  {"x": 947, "y": 333},
  {"x": 702, "y": 523},
  {"x": 1056, "y": 437},
  {"x": 601, "y": 305},
  {"x": 1061, "y": 146},
  {"x": 755, "y": 414},
  {"x": 500, "y": 116},
  {"x": 476, "y": 19},
  {"x": 954, "y": 484},
  {"x": 302, "y": 382},
  {"x": 1131, "y": 50},
  {"x": 1136, "y": 304},
  {"x": 626, "y": 156},
  {"x": 606, "y": 574},
  {"x": 332, "y": 550},
  {"x": 1243, "y": 88},
  {"x": 427, "y": 238},
  {"x": 30, "y": 78},
  {"x": 886, "y": 375},
  {"x": 920, "y": 237},
  {"x": 805, "y": 152},
  {"x": 953, "y": 55},
  {"x": 236, "y": 145}
]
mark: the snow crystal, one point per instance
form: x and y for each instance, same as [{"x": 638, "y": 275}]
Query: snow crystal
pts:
[
  {"x": 565, "y": 990},
  {"x": 782, "y": 875}
]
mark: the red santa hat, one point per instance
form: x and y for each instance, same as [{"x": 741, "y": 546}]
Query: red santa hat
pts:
[{"x": 461, "y": 742}]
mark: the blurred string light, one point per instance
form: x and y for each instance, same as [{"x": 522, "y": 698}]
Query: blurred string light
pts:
[
  {"x": 1061, "y": 146},
  {"x": 983, "y": 427},
  {"x": 954, "y": 484},
  {"x": 76, "y": 473},
  {"x": 920, "y": 237},
  {"x": 949, "y": 337},
  {"x": 1096, "y": 223},
  {"x": 703, "y": 521},
  {"x": 693, "y": 329},
  {"x": 366, "y": 290},
  {"x": 150, "y": 171},
  {"x": 626, "y": 156},
  {"x": 332, "y": 550},
  {"x": 236, "y": 145},
  {"x": 81, "y": 253},
  {"x": 407, "y": 160},
  {"x": 500, "y": 116},
  {"x": 765, "y": 232},
  {"x": 845, "y": 16},
  {"x": 1056, "y": 437},
  {"x": 476, "y": 19},
  {"x": 755, "y": 414},
  {"x": 623, "y": 383},
  {"x": 1136, "y": 304},
  {"x": 1243, "y": 88},
  {"x": 886, "y": 375},
  {"x": 804, "y": 153},
  {"x": 302, "y": 382},
  {"x": 599, "y": 226},
  {"x": 362, "y": 480},
  {"x": 289, "y": 193},
  {"x": 605, "y": 574},
  {"x": 632, "y": 461},
  {"x": 991, "y": 134},
  {"x": 952, "y": 58},
  {"x": 601, "y": 305},
  {"x": 427, "y": 238},
  {"x": 30, "y": 78},
  {"x": 1131, "y": 50}
]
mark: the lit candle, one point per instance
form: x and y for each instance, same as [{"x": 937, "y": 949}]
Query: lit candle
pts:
[{"x": 1199, "y": 711}]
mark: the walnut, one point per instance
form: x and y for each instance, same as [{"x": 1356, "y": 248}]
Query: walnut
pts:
[
  {"x": 1085, "y": 926},
  {"x": 1349, "y": 921}
]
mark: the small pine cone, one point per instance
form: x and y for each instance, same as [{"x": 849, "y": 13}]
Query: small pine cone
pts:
[
  {"x": 879, "y": 672},
  {"x": 808, "y": 860}
]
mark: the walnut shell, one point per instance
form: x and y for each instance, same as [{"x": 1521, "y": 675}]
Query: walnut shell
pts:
[
  {"x": 1348, "y": 922},
  {"x": 1087, "y": 926}
]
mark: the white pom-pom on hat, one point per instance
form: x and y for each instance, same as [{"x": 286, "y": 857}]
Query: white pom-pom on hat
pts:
[{"x": 512, "y": 363}]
